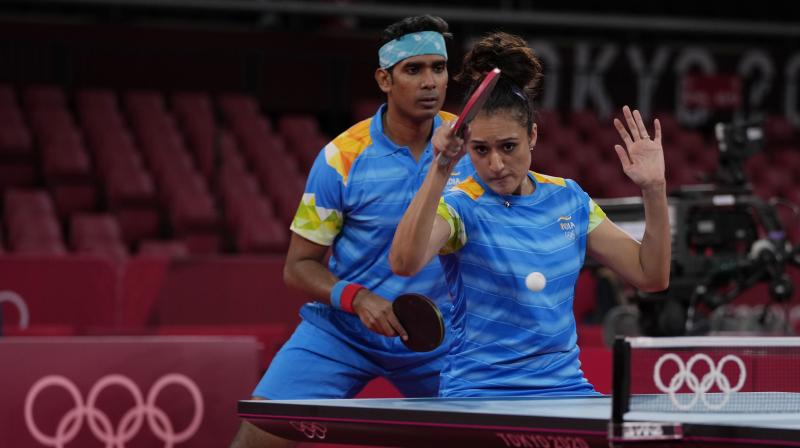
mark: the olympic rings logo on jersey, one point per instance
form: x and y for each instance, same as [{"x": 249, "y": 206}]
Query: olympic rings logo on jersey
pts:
[
  {"x": 700, "y": 387},
  {"x": 311, "y": 430},
  {"x": 100, "y": 424}
]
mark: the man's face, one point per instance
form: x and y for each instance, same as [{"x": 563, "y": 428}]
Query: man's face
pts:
[{"x": 416, "y": 86}]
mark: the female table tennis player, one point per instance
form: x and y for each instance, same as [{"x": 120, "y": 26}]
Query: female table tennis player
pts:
[{"x": 506, "y": 221}]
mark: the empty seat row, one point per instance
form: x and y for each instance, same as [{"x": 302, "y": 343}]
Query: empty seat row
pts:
[{"x": 215, "y": 174}]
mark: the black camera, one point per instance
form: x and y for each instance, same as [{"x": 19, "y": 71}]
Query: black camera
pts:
[{"x": 736, "y": 142}]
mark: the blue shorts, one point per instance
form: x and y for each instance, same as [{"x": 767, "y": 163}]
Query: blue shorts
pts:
[{"x": 333, "y": 355}]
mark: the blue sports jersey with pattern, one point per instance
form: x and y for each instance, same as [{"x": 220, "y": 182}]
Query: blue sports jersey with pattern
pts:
[
  {"x": 509, "y": 340},
  {"x": 357, "y": 191}
]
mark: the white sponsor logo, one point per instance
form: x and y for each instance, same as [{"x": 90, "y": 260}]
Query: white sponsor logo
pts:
[
  {"x": 16, "y": 300},
  {"x": 700, "y": 387},
  {"x": 522, "y": 440},
  {"x": 568, "y": 227},
  {"x": 311, "y": 430},
  {"x": 642, "y": 430},
  {"x": 98, "y": 421}
]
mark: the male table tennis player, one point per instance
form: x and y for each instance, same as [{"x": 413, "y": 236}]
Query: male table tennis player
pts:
[{"x": 357, "y": 190}]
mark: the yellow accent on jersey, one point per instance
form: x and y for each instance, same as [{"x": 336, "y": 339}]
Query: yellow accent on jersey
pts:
[
  {"x": 545, "y": 179},
  {"x": 458, "y": 235},
  {"x": 596, "y": 215},
  {"x": 343, "y": 150},
  {"x": 471, "y": 187},
  {"x": 447, "y": 116},
  {"x": 317, "y": 224}
]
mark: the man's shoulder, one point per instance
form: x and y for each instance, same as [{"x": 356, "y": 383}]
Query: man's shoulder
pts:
[
  {"x": 343, "y": 150},
  {"x": 447, "y": 116},
  {"x": 356, "y": 136}
]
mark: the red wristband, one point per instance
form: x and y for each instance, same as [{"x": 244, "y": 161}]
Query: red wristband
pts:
[{"x": 348, "y": 294}]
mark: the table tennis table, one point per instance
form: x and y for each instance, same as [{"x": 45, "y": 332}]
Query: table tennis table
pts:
[{"x": 511, "y": 422}]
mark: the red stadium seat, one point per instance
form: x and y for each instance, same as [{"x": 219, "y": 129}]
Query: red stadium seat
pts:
[
  {"x": 281, "y": 179},
  {"x": 605, "y": 139},
  {"x": 44, "y": 96},
  {"x": 32, "y": 224},
  {"x": 129, "y": 185},
  {"x": 138, "y": 222},
  {"x": 678, "y": 175},
  {"x": 196, "y": 117},
  {"x": 71, "y": 197},
  {"x": 163, "y": 249},
  {"x": 778, "y": 131},
  {"x": 567, "y": 169},
  {"x": 259, "y": 231},
  {"x": 98, "y": 234},
  {"x": 623, "y": 188},
  {"x": 549, "y": 119},
  {"x": 239, "y": 188},
  {"x": 15, "y": 138},
  {"x": 129, "y": 189},
  {"x": 229, "y": 151},
  {"x": 786, "y": 156},
  {"x": 236, "y": 105},
  {"x": 757, "y": 167},
  {"x": 249, "y": 213},
  {"x": 563, "y": 142},
  {"x": 775, "y": 184},
  {"x": 705, "y": 159},
  {"x": 65, "y": 161},
  {"x": 17, "y": 163},
  {"x": 302, "y": 137},
  {"x": 366, "y": 107},
  {"x": 587, "y": 156},
  {"x": 86, "y": 228},
  {"x": 585, "y": 122},
  {"x": 184, "y": 191},
  {"x": 96, "y": 99},
  {"x": 28, "y": 202},
  {"x": 7, "y": 94},
  {"x": 671, "y": 130},
  {"x": 66, "y": 158},
  {"x": 193, "y": 211},
  {"x": 140, "y": 103}
]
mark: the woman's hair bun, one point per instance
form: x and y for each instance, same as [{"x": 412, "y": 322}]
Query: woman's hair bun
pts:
[{"x": 510, "y": 54}]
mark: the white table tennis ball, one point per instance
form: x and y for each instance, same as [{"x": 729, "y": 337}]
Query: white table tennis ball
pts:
[{"x": 535, "y": 281}]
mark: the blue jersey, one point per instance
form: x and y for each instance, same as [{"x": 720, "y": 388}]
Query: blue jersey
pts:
[
  {"x": 358, "y": 189},
  {"x": 509, "y": 340}
]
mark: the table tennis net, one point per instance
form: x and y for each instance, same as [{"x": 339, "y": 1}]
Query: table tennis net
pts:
[{"x": 714, "y": 375}]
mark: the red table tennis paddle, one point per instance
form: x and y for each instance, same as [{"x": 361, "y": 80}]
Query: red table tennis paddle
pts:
[
  {"x": 422, "y": 321},
  {"x": 473, "y": 106}
]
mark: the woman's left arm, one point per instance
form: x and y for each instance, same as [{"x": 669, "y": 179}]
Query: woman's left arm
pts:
[{"x": 645, "y": 265}]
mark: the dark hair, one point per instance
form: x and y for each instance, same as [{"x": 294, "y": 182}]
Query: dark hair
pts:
[
  {"x": 521, "y": 73},
  {"x": 414, "y": 24}
]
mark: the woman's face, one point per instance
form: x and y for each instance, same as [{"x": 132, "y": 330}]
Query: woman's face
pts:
[{"x": 500, "y": 148}]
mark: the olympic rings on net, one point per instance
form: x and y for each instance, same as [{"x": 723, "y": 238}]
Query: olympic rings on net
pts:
[{"x": 700, "y": 386}]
